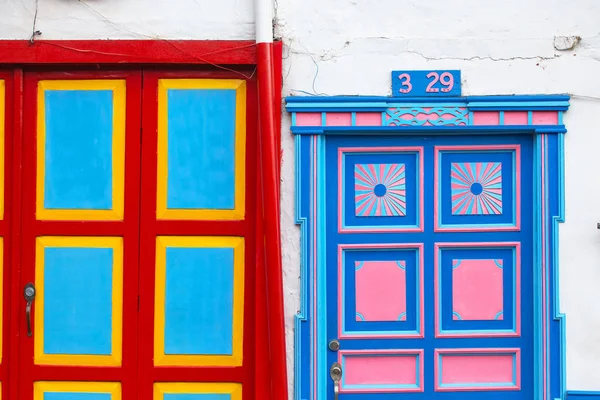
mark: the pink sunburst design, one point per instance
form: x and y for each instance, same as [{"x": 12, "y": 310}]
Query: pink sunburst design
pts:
[
  {"x": 380, "y": 190},
  {"x": 476, "y": 188}
]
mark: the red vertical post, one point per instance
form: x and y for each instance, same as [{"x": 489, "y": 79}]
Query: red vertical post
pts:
[
  {"x": 277, "y": 84},
  {"x": 261, "y": 338},
  {"x": 270, "y": 171}
]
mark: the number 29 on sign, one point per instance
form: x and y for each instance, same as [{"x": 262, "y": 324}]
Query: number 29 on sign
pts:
[{"x": 426, "y": 83}]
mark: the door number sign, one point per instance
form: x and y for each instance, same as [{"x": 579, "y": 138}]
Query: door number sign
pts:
[{"x": 426, "y": 83}]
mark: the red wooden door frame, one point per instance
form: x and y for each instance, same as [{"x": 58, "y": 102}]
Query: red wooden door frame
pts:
[{"x": 16, "y": 55}]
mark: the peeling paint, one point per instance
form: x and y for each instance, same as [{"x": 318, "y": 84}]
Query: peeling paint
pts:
[{"x": 564, "y": 43}]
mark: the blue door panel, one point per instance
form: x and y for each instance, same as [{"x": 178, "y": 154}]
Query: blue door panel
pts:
[{"x": 442, "y": 227}]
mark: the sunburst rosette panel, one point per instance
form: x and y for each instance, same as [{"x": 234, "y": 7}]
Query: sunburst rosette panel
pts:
[{"x": 380, "y": 190}]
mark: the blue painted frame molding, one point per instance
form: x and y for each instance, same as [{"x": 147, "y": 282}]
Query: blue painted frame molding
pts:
[
  {"x": 311, "y": 371},
  {"x": 576, "y": 395}
]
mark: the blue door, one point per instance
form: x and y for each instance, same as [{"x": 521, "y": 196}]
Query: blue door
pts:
[{"x": 430, "y": 267}]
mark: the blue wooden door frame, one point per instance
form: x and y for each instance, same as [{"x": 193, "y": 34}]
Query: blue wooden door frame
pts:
[{"x": 311, "y": 368}]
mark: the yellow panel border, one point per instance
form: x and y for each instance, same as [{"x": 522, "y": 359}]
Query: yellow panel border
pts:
[
  {"x": 116, "y": 243},
  {"x": 118, "y": 87},
  {"x": 233, "y": 389},
  {"x": 237, "y": 243},
  {"x": 2, "y": 145},
  {"x": 41, "y": 387},
  {"x": 239, "y": 210},
  {"x": 1, "y": 300}
]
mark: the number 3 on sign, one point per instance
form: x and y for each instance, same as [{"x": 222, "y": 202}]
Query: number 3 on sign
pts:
[
  {"x": 405, "y": 82},
  {"x": 426, "y": 83}
]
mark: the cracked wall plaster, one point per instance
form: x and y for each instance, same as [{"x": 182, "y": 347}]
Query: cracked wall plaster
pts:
[{"x": 350, "y": 46}]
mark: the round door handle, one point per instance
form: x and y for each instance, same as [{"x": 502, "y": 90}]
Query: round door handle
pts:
[{"x": 334, "y": 345}]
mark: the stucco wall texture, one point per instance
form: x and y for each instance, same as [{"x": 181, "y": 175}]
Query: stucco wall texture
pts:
[{"x": 349, "y": 47}]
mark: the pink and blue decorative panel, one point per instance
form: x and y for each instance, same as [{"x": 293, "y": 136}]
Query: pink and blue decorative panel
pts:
[
  {"x": 426, "y": 116},
  {"x": 477, "y": 369},
  {"x": 478, "y": 289},
  {"x": 380, "y": 291},
  {"x": 381, "y": 371},
  {"x": 380, "y": 189},
  {"x": 478, "y": 188}
]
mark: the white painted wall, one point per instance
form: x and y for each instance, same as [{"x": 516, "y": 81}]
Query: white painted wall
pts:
[
  {"x": 349, "y": 47},
  {"x": 127, "y": 19}
]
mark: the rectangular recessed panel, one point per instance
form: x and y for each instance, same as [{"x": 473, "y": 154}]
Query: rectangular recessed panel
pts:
[
  {"x": 380, "y": 189},
  {"x": 81, "y": 126},
  {"x": 79, "y": 301},
  {"x": 381, "y": 291},
  {"x": 207, "y": 396},
  {"x": 373, "y": 371},
  {"x": 199, "y": 301},
  {"x": 78, "y": 149},
  {"x": 201, "y": 149},
  {"x": 76, "y": 396},
  {"x": 477, "y": 290},
  {"x": 477, "y": 188},
  {"x": 478, "y": 369},
  {"x": 197, "y": 391},
  {"x": 77, "y": 391},
  {"x": 199, "y": 287}
]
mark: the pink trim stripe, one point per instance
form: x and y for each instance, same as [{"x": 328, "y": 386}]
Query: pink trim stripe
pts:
[
  {"x": 474, "y": 228},
  {"x": 368, "y": 119},
  {"x": 340, "y": 299},
  {"x": 516, "y": 118},
  {"x": 544, "y": 117},
  {"x": 517, "y": 305},
  {"x": 338, "y": 119},
  {"x": 309, "y": 119},
  {"x": 381, "y": 367},
  {"x": 486, "y": 118},
  {"x": 477, "y": 369},
  {"x": 545, "y": 307},
  {"x": 341, "y": 186}
]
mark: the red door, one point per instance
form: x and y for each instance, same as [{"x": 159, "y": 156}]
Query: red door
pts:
[
  {"x": 80, "y": 239},
  {"x": 197, "y": 224},
  {"x": 137, "y": 208}
]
